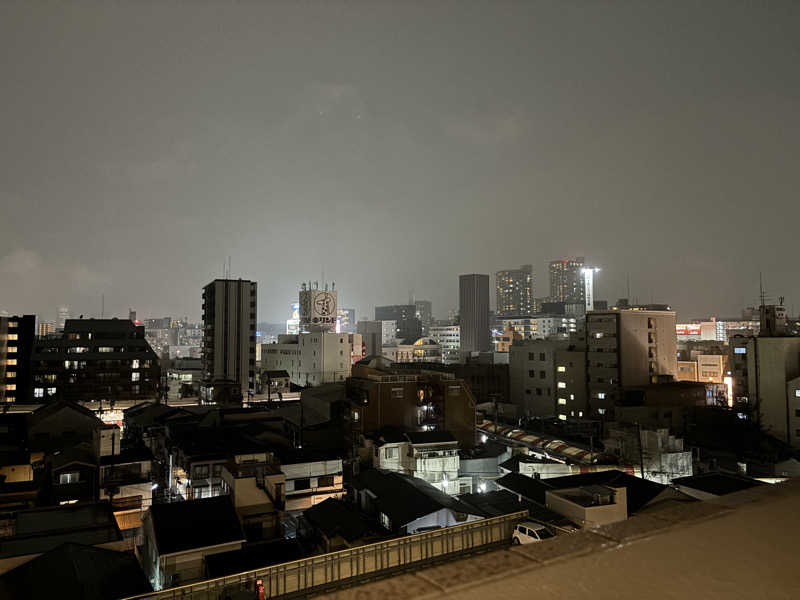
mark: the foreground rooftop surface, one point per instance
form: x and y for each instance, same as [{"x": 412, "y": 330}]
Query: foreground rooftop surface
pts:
[{"x": 742, "y": 545}]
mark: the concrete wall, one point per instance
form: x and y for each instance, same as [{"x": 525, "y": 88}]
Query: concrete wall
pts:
[{"x": 589, "y": 516}]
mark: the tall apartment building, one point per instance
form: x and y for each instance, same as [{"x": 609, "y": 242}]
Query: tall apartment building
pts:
[
  {"x": 45, "y": 328},
  {"x": 229, "y": 341},
  {"x": 629, "y": 347},
  {"x": 95, "y": 360},
  {"x": 566, "y": 281},
  {"x": 16, "y": 343},
  {"x": 474, "y": 312},
  {"x": 408, "y": 326},
  {"x": 514, "y": 289},
  {"x": 548, "y": 377}
]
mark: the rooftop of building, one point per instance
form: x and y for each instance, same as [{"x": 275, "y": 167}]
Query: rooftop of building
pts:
[
  {"x": 41, "y": 529},
  {"x": 717, "y": 483},
  {"x": 76, "y": 571},
  {"x": 404, "y": 499},
  {"x": 334, "y": 517},
  {"x": 676, "y": 549},
  {"x": 181, "y": 526}
]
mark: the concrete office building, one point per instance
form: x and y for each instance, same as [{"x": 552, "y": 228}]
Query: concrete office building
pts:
[
  {"x": 408, "y": 328},
  {"x": 449, "y": 338},
  {"x": 474, "y": 312},
  {"x": 229, "y": 343},
  {"x": 376, "y": 335},
  {"x": 424, "y": 349},
  {"x": 514, "y": 289},
  {"x": 16, "y": 344},
  {"x": 312, "y": 359},
  {"x": 629, "y": 347},
  {"x": 548, "y": 377},
  {"x": 566, "y": 281}
]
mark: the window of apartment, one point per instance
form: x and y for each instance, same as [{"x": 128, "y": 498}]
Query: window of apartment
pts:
[
  {"x": 397, "y": 392},
  {"x": 325, "y": 481},
  {"x": 135, "y": 376},
  {"x": 531, "y": 373},
  {"x": 355, "y": 415},
  {"x": 561, "y": 369},
  {"x": 38, "y": 392},
  {"x": 51, "y": 391},
  {"x": 601, "y": 395},
  {"x": 302, "y": 484},
  {"x": 542, "y": 356},
  {"x": 135, "y": 363},
  {"x": 542, "y": 375},
  {"x": 528, "y": 392},
  {"x": 562, "y": 385},
  {"x": 740, "y": 350},
  {"x": 531, "y": 356},
  {"x": 200, "y": 472},
  {"x": 562, "y": 401},
  {"x": 105, "y": 349},
  {"x": 390, "y": 452},
  {"x": 12, "y": 336},
  {"x": 538, "y": 391},
  {"x": 562, "y": 417},
  {"x": 797, "y": 393},
  {"x": 572, "y": 396},
  {"x": 73, "y": 477},
  {"x": 601, "y": 411},
  {"x": 216, "y": 470}
]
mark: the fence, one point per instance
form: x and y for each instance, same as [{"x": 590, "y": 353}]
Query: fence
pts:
[{"x": 338, "y": 569}]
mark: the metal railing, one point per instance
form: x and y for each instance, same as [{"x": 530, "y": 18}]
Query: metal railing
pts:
[{"x": 347, "y": 567}]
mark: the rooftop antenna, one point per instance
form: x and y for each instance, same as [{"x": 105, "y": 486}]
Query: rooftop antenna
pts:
[
  {"x": 628, "y": 279},
  {"x": 102, "y": 306},
  {"x": 761, "y": 288}
]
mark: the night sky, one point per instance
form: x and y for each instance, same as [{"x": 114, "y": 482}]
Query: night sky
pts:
[{"x": 394, "y": 146}]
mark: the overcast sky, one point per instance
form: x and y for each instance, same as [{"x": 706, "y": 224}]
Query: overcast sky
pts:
[{"x": 395, "y": 146}]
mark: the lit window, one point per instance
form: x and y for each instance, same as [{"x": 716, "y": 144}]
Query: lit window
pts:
[
  {"x": 601, "y": 395},
  {"x": 51, "y": 391},
  {"x": 69, "y": 477},
  {"x": 562, "y": 369},
  {"x": 11, "y": 362},
  {"x": 355, "y": 415},
  {"x": 11, "y": 386},
  {"x": 601, "y": 411},
  {"x": 11, "y": 375},
  {"x": 572, "y": 396},
  {"x": 38, "y": 392},
  {"x": 797, "y": 393},
  {"x": 562, "y": 401},
  {"x": 105, "y": 349},
  {"x": 135, "y": 363},
  {"x": 12, "y": 336},
  {"x": 740, "y": 350},
  {"x": 562, "y": 417},
  {"x": 598, "y": 335},
  {"x": 135, "y": 376},
  {"x": 580, "y": 413},
  {"x": 562, "y": 385}
]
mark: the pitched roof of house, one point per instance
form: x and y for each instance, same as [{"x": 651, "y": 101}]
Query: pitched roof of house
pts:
[
  {"x": 334, "y": 517},
  {"x": 180, "y": 526},
  {"x": 404, "y": 499},
  {"x": 253, "y": 557},
  {"x": 430, "y": 437},
  {"x": 76, "y": 571}
]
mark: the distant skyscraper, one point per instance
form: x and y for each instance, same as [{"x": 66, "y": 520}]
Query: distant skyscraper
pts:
[
  {"x": 474, "y": 312},
  {"x": 346, "y": 320},
  {"x": 229, "y": 344},
  {"x": 45, "y": 328},
  {"x": 514, "y": 291},
  {"x": 566, "y": 281},
  {"x": 63, "y": 315}
]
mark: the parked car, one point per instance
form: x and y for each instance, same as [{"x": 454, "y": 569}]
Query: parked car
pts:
[{"x": 528, "y": 532}]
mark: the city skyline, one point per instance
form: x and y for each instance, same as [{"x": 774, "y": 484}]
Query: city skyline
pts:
[{"x": 674, "y": 167}]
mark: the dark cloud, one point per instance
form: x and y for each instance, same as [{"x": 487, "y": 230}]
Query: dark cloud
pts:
[{"x": 394, "y": 146}]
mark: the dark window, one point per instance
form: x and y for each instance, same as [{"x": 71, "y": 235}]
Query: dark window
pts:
[
  {"x": 216, "y": 470},
  {"x": 325, "y": 481},
  {"x": 542, "y": 375},
  {"x": 538, "y": 391},
  {"x": 302, "y": 484},
  {"x": 531, "y": 356},
  {"x": 200, "y": 472},
  {"x": 531, "y": 374},
  {"x": 542, "y": 356}
]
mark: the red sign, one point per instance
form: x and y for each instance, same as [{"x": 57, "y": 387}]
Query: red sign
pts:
[{"x": 687, "y": 329}]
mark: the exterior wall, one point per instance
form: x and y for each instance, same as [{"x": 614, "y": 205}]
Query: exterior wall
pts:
[
  {"x": 589, "y": 516},
  {"x": 440, "y": 518},
  {"x": 532, "y": 372},
  {"x": 312, "y": 358},
  {"x": 687, "y": 370},
  {"x": 474, "y": 312},
  {"x": 229, "y": 317},
  {"x": 449, "y": 338},
  {"x": 771, "y": 364},
  {"x": 628, "y": 348},
  {"x": 571, "y": 400},
  {"x": 793, "y": 394}
]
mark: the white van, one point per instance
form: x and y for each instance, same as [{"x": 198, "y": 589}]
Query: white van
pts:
[{"x": 528, "y": 532}]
